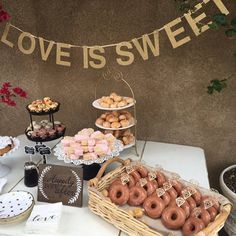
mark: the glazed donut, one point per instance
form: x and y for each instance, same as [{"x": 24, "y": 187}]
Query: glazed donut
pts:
[
  {"x": 153, "y": 206},
  {"x": 118, "y": 193},
  {"x": 160, "y": 178},
  {"x": 137, "y": 195},
  {"x": 197, "y": 197},
  {"x": 177, "y": 186},
  {"x": 185, "y": 207},
  {"x": 166, "y": 198},
  {"x": 191, "y": 203},
  {"x": 215, "y": 203},
  {"x": 131, "y": 181},
  {"x": 173, "y": 193},
  {"x": 149, "y": 187},
  {"x": 213, "y": 213},
  {"x": 142, "y": 171},
  {"x": 173, "y": 217},
  {"x": 192, "y": 226},
  {"x": 201, "y": 213},
  {"x": 135, "y": 175}
]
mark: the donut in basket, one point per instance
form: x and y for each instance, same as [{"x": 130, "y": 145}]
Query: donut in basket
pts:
[{"x": 178, "y": 205}]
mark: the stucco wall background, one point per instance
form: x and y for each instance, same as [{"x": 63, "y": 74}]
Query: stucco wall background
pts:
[{"x": 172, "y": 103}]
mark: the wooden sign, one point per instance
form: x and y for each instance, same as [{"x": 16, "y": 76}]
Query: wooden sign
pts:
[{"x": 60, "y": 184}]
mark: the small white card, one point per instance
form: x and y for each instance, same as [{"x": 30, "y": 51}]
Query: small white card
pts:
[{"x": 44, "y": 219}]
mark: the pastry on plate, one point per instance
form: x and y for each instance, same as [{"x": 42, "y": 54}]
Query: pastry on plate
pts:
[
  {"x": 115, "y": 119},
  {"x": 43, "y": 105},
  {"x": 114, "y": 101},
  {"x": 6, "y": 144}
]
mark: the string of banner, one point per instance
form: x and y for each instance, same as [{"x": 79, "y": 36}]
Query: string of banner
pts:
[{"x": 94, "y": 56}]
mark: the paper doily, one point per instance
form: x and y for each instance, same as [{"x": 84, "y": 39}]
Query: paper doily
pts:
[
  {"x": 16, "y": 143},
  {"x": 58, "y": 152}
]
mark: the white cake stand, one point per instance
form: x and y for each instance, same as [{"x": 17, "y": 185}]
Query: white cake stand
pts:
[{"x": 4, "y": 169}]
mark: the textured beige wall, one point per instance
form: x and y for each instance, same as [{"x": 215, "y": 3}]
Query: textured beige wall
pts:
[{"x": 172, "y": 103}]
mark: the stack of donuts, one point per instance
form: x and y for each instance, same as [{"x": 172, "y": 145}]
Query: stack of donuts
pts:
[{"x": 178, "y": 206}]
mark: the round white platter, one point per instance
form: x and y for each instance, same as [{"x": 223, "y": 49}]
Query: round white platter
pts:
[
  {"x": 129, "y": 145},
  {"x": 4, "y": 170},
  {"x": 97, "y": 105},
  {"x": 15, "y": 206}
]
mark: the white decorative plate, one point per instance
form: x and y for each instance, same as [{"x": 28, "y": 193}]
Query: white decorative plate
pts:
[
  {"x": 15, "y": 206},
  {"x": 58, "y": 152},
  {"x": 97, "y": 105},
  {"x": 16, "y": 143},
  {"x": 129, "y": 145},
  {"x": 129, "y": 126}
]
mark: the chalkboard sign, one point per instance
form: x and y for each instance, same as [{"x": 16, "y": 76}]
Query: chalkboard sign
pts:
[
  {"x": 44, "y": 150},
  {"x": 60, "y": 184},
  {"x": 38, "y": 146},
  {"x": 29, "y": 150}
]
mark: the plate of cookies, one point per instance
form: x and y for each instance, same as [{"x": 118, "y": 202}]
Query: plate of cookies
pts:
[
  {"x": 113, "y": 102},
  {"x": 115, "y": 120},
  {"x": 125, "y": 136},
  {"x": 88, "y": 147}
]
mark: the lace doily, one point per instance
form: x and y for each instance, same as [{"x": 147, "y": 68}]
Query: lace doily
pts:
[
  {"x": 58, "y": 152},
  {"x": 16, "y": 144}
]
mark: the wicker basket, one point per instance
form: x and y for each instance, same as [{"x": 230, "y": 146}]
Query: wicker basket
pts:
[{"x": 124, "y": 221}]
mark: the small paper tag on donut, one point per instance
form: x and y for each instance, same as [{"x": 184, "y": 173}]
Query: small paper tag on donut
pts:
[
  {"x": 196, "y": 212},
  {"x": 125, "y": 179},
  {"x": 167, "y": 185},
  {"x": 129, "y": 169},
  {"x": 180, "y": 201},
  {"x": 143, "y": 182},
  {"x": 186, "y": 194},
  {"x": 171, "y": 234},
  {"x": 160, "y": 192},
  {"x": 152, "y": 175},
  {"x": 192, "y": 190},
  {"x": 208, "y": 203},
  {"x": 175, "y": 176}
]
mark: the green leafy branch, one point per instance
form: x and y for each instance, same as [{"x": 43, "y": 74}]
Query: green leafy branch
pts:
[
  {"x": 219, "y": 20},
  {"x": 187, "y": 5},
  {"x": 216, "y": 86}
]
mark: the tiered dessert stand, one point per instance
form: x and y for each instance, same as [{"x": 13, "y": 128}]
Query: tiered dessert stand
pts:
[
  {"x": 40, "y": 140},
  {"x": 117, "y": 76}
]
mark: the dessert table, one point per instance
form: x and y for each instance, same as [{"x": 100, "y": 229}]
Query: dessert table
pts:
[{"x": 187, "y": 161}]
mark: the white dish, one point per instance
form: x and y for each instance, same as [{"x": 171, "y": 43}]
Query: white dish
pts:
[
  {"x": 58, "y": 152},
  {"x": 97, "y": 105},
  {"x": 129, "y": 145},
  {"x": 16, "y": 143},
  {"x": 102, "y": 127},
  {"x": 4, "y": 170},
  {"x": 15, "y": 206}
]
